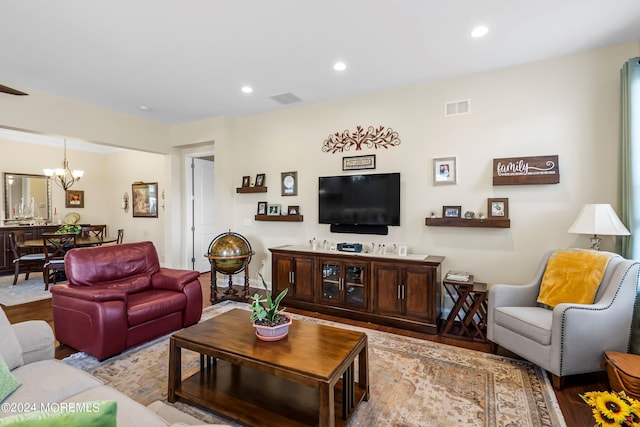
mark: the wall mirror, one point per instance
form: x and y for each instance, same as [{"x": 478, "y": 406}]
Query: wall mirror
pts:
[{"x": 26, "y": 197}]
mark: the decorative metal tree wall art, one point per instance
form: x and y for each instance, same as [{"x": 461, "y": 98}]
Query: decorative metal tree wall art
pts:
[{"x": 379, "y": 137}]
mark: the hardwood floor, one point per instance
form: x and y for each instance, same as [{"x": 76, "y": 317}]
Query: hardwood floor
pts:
[{"x": 576, "y": 412}]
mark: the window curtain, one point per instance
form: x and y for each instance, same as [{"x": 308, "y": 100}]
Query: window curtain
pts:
[{"x": 630, "y": 176}]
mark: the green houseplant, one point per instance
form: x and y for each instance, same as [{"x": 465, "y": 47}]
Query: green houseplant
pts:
[{"x": 268, "y": 318}]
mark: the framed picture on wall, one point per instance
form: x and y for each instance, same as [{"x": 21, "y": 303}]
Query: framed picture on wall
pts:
[
  {"x": 289, "y": 183},
  {"x": 445, "y": 171},
  {"x": 293, "y": 210},
  {"x": 262, "y": 208},
  {"x": 246, "y": 181},
  {"x": 74, "y": 199},
  {"x": 260, "y": 180},
  {"x": 145, "y": 199}
]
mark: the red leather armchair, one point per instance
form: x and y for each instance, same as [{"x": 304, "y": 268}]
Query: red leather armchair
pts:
[{"x": 119, "y": 296}]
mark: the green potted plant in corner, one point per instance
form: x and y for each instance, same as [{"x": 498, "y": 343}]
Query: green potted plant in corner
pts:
[{"x": 268, "y": 318}]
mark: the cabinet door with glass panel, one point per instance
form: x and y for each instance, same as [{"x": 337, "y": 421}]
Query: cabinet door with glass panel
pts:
[{"x": 343, "y": 282}]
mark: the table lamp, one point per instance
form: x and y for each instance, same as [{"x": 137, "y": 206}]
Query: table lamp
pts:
[{"x": 598, "y": 219}]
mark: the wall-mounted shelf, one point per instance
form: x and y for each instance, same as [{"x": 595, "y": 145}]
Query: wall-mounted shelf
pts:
[
  {"x": 285, "y": 218},
  {"x": 464, "y": 222},
  {"x": 256, "y": 189}
]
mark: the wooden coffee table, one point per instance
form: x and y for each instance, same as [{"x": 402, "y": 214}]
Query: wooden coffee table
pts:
[{"x": 306, "y": 379}]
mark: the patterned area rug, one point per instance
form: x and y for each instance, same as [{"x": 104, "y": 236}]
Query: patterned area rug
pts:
[
  {"x": 24, "y": 291},
  {"x": 413, "y": 382}
]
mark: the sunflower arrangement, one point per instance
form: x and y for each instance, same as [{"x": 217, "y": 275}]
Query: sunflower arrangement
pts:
[{"x": 613, "y": 408}]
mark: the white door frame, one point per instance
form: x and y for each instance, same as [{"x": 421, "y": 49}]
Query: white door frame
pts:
[{"x": 188, "y": 206}]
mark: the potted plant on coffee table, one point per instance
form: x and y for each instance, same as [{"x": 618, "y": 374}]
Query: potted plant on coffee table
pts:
[{"x": 268, "y": 318}]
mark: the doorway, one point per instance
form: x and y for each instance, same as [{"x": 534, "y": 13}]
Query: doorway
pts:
[{"x": 200, "y": 213}]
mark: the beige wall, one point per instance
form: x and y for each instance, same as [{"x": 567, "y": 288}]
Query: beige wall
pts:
[
  {"x": 566, "y": 106},
  {"x": 107, "y": 177}
]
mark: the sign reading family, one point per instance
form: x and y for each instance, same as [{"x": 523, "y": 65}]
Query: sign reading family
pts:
[{"x": 526, "y": 170}]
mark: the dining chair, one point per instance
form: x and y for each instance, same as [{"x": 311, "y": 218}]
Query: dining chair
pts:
[
  {"x": 98, "y": 230},
  {"x": 120, "y": 236},
  {"x": 23, "y": 261},
  {"x": 55, "y": 246}
]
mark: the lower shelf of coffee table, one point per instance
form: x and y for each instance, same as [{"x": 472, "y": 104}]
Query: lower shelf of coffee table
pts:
[{"x": 255, "y": 398}]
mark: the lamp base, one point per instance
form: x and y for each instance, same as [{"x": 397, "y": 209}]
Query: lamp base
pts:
[{"x": 595, "y": 243}]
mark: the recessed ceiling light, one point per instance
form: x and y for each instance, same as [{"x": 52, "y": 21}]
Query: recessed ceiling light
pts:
[
  {"x": 144, "y": 108},
  {"x": 340, "y": 66},
  {"x": 247, "y": 89},
  {"x": 479, "y": 31}
]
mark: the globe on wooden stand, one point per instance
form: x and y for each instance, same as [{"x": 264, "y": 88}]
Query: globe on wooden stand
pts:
[{"x": 229, "y": 253}]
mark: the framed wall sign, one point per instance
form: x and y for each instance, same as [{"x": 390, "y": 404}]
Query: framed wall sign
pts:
[
  {"x": 74, "y": 199},
  {"x": 526, "y": 170},
  {"x": 445, "y": 171},
  {"x": 359, "y": 162},
  {"x": 289, "y": 183},
  {"x": 451, "y": 211},
  {"x": 498, "y": 208},
  {"x": 145, "y": 199}
]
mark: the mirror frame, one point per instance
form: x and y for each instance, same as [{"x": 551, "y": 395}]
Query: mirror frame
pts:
[{"x": 7, "y": 208}]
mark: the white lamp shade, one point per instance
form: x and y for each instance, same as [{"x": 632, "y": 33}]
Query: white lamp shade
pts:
[{"x": 598, "y": 219}]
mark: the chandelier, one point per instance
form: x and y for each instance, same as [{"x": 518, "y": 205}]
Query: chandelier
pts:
[{"x": 64, "y": 176}]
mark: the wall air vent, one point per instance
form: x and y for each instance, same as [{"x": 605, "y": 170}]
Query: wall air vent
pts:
[
  {"x": 457, "y": 108},
  {"x": 285, "y": 98}
]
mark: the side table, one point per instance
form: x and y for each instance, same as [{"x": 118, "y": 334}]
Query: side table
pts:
[{"x": 468, "y": 317}]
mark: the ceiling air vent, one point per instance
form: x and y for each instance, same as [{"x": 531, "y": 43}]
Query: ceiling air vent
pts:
[
  {"x": 285, "y": 98},
  {"x": 457, "y": 108}
]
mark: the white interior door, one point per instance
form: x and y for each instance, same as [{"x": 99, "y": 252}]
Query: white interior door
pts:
[{"x": 203, "y": 228}]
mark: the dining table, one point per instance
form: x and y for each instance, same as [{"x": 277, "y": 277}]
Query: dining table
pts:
[{"x": 81, "y": 242}]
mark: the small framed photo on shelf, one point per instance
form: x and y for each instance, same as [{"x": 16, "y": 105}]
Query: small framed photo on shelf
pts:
[
  {"x": 402, "y": 250},
  {"x": 74, "y": 199},
  {"x": 260, "y": 180},
  {"x": 445, "y": 171},
  {"x": 262, "y": 208},
  {"x": 451, "y": 211},
  {"x": 293, "y": 210},
  {"x": 246, "y": 181},
  {"x": 273, "y": 210},
  {"x": 498, "y": 208},
  {"x": 289, "y": 183}
]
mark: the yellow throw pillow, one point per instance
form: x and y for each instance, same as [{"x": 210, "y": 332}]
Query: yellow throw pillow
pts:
[{"x": 572, "y": 276}]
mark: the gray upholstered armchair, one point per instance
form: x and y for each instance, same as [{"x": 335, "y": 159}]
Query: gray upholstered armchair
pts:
[{"x": 570, "y": 338}]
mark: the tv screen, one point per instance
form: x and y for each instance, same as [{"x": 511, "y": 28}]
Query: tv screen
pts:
[{"x": 359, "y": 199}]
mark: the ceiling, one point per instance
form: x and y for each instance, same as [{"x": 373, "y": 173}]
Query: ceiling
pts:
[{"x": 187, "y": 60}]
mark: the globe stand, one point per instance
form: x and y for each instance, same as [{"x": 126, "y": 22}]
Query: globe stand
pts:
[{"x": 230, "y": 293}]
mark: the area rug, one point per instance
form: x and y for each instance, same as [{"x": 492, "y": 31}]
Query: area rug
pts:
[
  {"x": 24, "y": 291},
  {"x": 412, "y": 382}
]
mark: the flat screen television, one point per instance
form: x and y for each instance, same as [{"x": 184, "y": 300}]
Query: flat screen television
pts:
[{"x": 359, "y": 200}]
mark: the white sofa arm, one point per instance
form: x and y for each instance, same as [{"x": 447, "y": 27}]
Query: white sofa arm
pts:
[{"x": 36, "y": 339}]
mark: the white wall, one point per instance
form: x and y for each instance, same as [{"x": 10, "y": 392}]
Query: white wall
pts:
[{"x": 566, "y": 106}]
